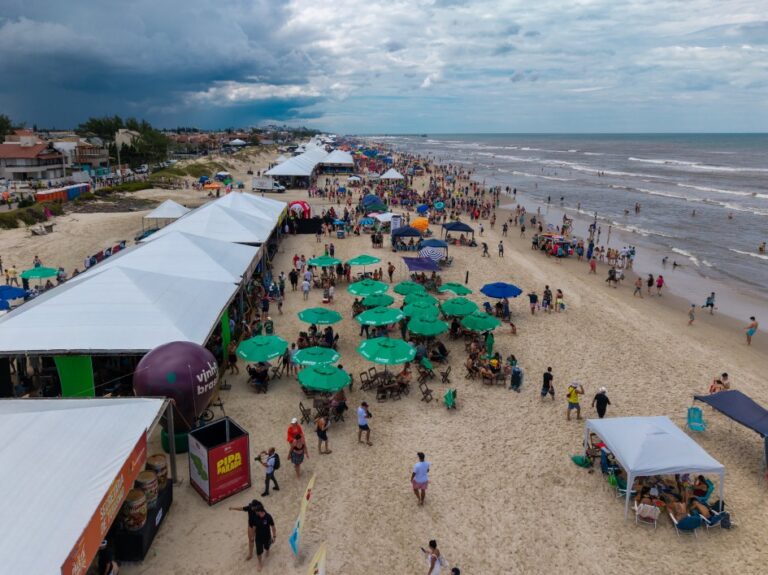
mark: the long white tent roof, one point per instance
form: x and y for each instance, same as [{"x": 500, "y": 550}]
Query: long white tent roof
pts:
[
  {"x": 254, "y": 205},
  {"x": 221, "y": 223},
  {"x": 118, "y": 310},
  {"x": 183, "y": 255},
  {"x": 59, "y": 458},
  {"x": 301, "y": 165},
  {"x": 168, "y": 210},
  {"x": 338, "y": 158}
]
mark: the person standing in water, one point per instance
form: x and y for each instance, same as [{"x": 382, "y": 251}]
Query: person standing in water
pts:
[{"x": 751, "y": 329}]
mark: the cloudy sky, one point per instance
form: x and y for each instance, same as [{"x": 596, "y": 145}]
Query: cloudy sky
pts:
[{"x": 362, "y": 66}]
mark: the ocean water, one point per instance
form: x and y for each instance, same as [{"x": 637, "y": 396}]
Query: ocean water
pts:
[{"x": 723, "y": 177}]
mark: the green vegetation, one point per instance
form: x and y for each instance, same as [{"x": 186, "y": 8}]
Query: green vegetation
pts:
[
  {"x": 149, "y": 148},
  {"x": 32, "y": 215},
  {"x": 126, "y": 187},
  {"x": 5, "y": 126},
  {"x": 194, "y": 170}
]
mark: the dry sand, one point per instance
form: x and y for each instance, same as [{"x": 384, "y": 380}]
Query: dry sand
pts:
[{"x": 504, "y": 497}]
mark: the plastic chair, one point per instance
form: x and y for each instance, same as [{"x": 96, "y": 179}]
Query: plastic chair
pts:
[
  {"x": 646, "y": 514},
  {"x": 696, "y": 419}
]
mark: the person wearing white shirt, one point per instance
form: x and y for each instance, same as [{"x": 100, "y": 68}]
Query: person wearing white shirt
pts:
[
  {"x": 363, "y": 415},
  {"x": 420, "y": 477}
]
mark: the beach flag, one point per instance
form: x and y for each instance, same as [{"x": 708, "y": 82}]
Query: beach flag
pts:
[
  {"x": 317, "y": 567},
  {"x": 295, "y": 537}
]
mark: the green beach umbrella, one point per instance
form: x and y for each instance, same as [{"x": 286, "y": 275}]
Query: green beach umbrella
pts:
[
  {"x": 458, "y": 306},
  {"x": 262, "y": 348},
  {"x": 319, "y": 316},
  {"x": 324, "y": 261},
  {"x": 409, "y": 287},
  {"x": 422, "y": 297},
  {"x": 316, "y": 356},
  {"x": 480, "y": 321},
  {"x": 457, "y": 288},
  {"x": 367, "y": 287},
  {"x": 421, "y": 309},
  {"x": 380, "y": 316},
  {"x": 427, "y": 326},
  {"x": 39, "y": 273},
  {"x": 326, "y": 378},
  {"x": 386, "y": 351},
  {"x": 363, "y": 260},
  {"x": 378, "y": 300}
]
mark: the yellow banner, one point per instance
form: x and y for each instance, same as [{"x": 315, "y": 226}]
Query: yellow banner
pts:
[{"x": 317, "y": 567}]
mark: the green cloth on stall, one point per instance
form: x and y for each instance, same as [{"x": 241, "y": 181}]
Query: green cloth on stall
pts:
[{"x": 76, "y": 375}]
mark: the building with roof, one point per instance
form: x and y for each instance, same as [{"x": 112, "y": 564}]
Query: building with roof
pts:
[{"x": 27, "y": 158}]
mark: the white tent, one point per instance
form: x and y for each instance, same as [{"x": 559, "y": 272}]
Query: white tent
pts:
[
  {"x": 384, "y": 218},
  {"x": 391, "y": 174},
  {"x": 354, "y": 179},
  {"x": 237, "y": 142},
  {"x": 221, "y": 223},
  {"x": 118, "y": 310},
  {"x": 168, "y": 210},
  {"x": 301, "y": 165},
  {"x": 646, "y": 446},
  {"x": 338, "y": 158},
  {"x": 60, "y": 458},
  {"x": 254, "y": 205},
  {"x": 185, "y": 256}
]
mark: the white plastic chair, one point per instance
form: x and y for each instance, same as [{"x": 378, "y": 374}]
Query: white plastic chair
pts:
[{"x": 646, "y": 514}]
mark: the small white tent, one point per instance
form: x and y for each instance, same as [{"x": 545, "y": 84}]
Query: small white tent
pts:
[
  {"x": 237, "y": 142},
  {"x": 168, "y": 210},
  {"x": 646, "y": 446},
  {"x": 391, "y": 175}
]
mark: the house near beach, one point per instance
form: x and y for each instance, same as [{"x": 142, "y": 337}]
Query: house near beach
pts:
[{"x": 23, "y": 156}]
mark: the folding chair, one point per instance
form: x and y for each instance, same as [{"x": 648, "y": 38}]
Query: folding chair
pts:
[
  {"x": 445, "y": 376},
  {"x": 426, "y": 393},
  {"x": 690, "y": 524},
  {"x": 646, "y": 514},
  {"x": 306, "y": 414},
  {"x": 696, "y": 419},
  {"x": 426, "y": 365},
  {"x": 365, "y": 381}
]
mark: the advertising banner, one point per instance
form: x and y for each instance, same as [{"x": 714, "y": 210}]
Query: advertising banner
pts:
[
  {"x": 317, "y": 566},
  {"x": 229, "y": 469},
  {"x": 87, "y": 546},
  {"x": 198, "y": 466},
  {"x": 294, "y": 540}
]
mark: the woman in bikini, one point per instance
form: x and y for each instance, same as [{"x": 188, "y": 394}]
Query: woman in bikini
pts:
[{"x": 298, "y": 452}]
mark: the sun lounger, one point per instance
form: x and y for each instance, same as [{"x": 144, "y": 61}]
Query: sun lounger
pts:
[{"x": 696, "y": 419}]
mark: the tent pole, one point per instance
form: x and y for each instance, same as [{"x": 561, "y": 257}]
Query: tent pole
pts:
[
  {"x": 722, "y": 488},
  {"x": 171, "y": 439},
  {"x": 630, "y": 482}
]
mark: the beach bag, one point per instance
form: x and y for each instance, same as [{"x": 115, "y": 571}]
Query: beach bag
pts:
[
  {"x": 277, "y": 462},
  {"x": 582, "y": 461},
  {"x": 725, "y": 522}
]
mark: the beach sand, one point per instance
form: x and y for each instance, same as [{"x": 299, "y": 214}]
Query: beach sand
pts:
[{"x": 505, "y": 496}]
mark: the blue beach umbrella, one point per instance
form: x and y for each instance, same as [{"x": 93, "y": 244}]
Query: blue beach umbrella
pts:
[
  {"x": 366, "y": 222},
  {"x": 439, "y": 205},
  {"x": 4, "y": 305},
  {"x": 11, "y": 292},
  {"x": 423, "y": 208},
  {"x": 501, "y": 290}
]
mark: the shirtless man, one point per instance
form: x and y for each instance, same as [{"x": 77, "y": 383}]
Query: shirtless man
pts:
[{"x": 751, "y": 329}]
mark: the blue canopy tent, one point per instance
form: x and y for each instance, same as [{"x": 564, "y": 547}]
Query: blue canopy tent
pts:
[
  {"x": 406, "y": 232},
  {"x": 433, "y": 249},
  {"x": 458, "y": 227},
  {"x": 421, "y": 265},
  {"x": 742, "y": 409},
  {"x": 371, "y": 199},
  {"x": 501, "y": 290}
]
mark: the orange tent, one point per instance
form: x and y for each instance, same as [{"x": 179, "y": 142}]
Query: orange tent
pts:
[{"x": 420, "y": 224}]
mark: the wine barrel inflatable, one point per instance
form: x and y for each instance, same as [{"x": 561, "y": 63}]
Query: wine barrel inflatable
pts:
[{"x": 182, "y": 371}]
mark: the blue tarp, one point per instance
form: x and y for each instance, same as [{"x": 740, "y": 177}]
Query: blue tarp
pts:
[
  {"x": 421, "y": 265},
  {"x": 406, "y": 232},
  {"x": 740, "y": 408},
  {"x": 458, "y": 227},
  {"x": 501, "y": 290}
]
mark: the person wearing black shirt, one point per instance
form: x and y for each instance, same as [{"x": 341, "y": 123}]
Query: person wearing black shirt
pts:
[
  {"x": 265, "y": 534},
  {"x": 548, "y": 387},
  {"x": 106, "y": 559},
  {"x": 253, "y": 518},
  {"x": 601, "y": 402}
]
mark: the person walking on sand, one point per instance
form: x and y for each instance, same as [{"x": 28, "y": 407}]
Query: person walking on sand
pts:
[
  {"x": 485, "y": 253},
  {"x": 501, "y": 249},
  {"x": 638, "y": 287},
  {"x": 548, "y": 386},
  {"x": 593, "y": 266},
  {"x": 691, "y": 314},
  {"x": 264, "y": 535},
  {"x": 363, "y": 415},
  {"x": 390, "y": 271},
  {"x": 232, "y": 358},
  {"x": 435, "y": 561},
  {"x": 250, "y": 509},
  {"x": 649, "y": 283},
  {"x": 710, "y": 303},
  {"x": 659, "y": 284},
  {"x": 601, "y": 402},
  {"x": 420, "y": 477},
  {"x": 751, "y": 329},
  {"x": 271, "y": 462},
  {"x": 533, "y": 300},
  {"x": 574, "y": 391},
  {"x": 321, "y": 428},
  {"x": 305, "y": 289},
  {"x": 298, "y": 452}
]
